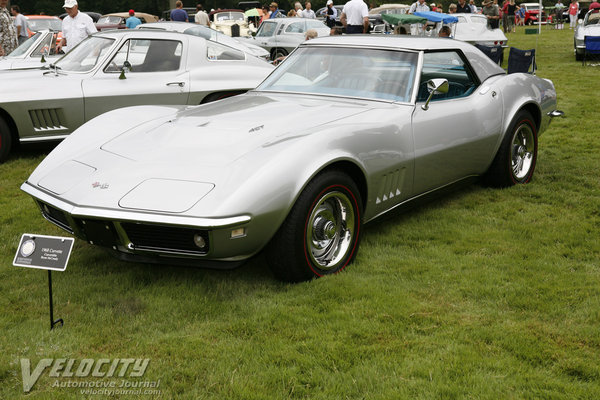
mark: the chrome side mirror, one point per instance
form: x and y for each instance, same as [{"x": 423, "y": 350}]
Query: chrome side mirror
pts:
[{"x": 435, "y": 86}]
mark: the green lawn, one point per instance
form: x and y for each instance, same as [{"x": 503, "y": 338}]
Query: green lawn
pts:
[{"x": 482, "y": 294}]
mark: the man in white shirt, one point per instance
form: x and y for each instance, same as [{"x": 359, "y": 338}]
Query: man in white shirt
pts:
[
  {"x": 20, "y": 23},
  {"x": 418, "y": 6},
  {"x": 308, "y": 12},
  {"x": 355, "y": 16},
  {"x": 75, "y": 27},
  {"x": 201, "y": 16}
]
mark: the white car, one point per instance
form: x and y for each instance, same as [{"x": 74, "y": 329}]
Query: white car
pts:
[
  {"x": 279, "y": 36},
  {"x": 473, "y": 28},
  {"x": 29, "y": 54},
  {"x": 223, "y": 21},
  {"x": 589, "y": 27},
  {"x": 208, "y": 34}
]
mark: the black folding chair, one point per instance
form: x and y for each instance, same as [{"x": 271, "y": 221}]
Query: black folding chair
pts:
[
  {"x": 495, "y": 53},
  {"x": 592, "y": 47},
  {"x": 521, "y": 61}
]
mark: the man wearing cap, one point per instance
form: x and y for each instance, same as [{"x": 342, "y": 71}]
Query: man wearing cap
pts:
[
  {"x": 132, "y": 21},
  {"x": 275, "y": 12},
  {"x": 463, "y": 7},
  {"x": 355, "y": 16},
  {"x": 491, "y": 12},
  {"x": 76, "y": 26},
  {"x": 330, "y": 13}
]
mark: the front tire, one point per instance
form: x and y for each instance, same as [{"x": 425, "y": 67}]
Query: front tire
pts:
[
  {"x": 5, "y": 140},
  {"x": 515, "y": 161},
  {"x": 320, "y": 236}
]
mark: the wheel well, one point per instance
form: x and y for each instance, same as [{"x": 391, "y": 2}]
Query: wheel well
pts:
[
  {"x": 14, "y": 132},
  {"x": 221, "y": 95},
  {"x": 535, "y": 113},
  {"x": 355, "y": 173}
]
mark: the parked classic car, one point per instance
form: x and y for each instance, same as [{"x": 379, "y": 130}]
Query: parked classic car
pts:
[
  {"x": 35, "y": 52},
  {"x": 93, "y": 15},
  {"x": 119, "y": 68},
  {"x": 376, "y": 21},
  {"x": 473, "y": 28},
  {"x": 279, "y": 36},
  {"x": 589, "y": 27},
  {"x": 224, "y": 20},
  {"x": 118, "y": 20},
  {"x": 532, "y": 14},
  {"x": 377, "y": 122},
  {"x": 209, "y": 34},
  {"x": 36, "y": 23}
]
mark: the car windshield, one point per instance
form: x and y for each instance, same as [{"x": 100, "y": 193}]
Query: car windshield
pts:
[
  {"x": 24, "y": 47},
  {"x": 109, "y": 20},
  {"x": 266, "y": 29},
  {"x": 349, "y": 72},
  {"x": 592, "y": 19},
  {"x": 225, "y": 16},
  {"x": 86, "y": 55},
  {"x": 35, "y": 25},
  {"x": 532, "y": 7}
]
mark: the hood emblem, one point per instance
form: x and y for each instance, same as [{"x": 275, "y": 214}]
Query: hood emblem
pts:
[
  {"x": 258, "y": 128},
  {"x": 100, "y": 185}
]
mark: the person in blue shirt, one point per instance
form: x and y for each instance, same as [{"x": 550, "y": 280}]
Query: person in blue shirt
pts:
[
  {"x": 132, "y": 21},
  {"x": 179, "y": 14}
]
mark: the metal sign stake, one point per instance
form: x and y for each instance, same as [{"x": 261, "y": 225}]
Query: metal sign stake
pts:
[{"x": 52, "y": 321}]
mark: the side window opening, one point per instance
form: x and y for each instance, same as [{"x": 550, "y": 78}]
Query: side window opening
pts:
[
  {"x": 147, "y": 56},
  {"x": 446, "y": 65}
]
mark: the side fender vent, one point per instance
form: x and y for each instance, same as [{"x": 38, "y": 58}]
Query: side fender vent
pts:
[
  {"x": 391, "y": 183},
  {"x": 46, "y": 120}
]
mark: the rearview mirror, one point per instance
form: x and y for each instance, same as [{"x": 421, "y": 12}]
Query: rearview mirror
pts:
[{"x": 435, "y": 86}]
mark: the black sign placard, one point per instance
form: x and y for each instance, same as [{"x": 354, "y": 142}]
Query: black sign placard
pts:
[{"x": 43, "y": 252}]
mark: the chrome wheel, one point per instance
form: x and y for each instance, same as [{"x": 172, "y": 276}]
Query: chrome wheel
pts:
[
  {"x": 330, "y": 230},
  {"x": 523, "y": 151}
]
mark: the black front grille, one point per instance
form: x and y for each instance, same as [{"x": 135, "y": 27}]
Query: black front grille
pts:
[
  {"x": 157, "y": 237},
  {"x": 55, "y": 216}
]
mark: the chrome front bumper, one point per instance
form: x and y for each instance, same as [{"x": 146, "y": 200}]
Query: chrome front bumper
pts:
[{"x": 150, "y": 234}]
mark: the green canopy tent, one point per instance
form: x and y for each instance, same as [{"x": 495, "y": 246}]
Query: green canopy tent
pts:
[{"x": 401, "y": 19}]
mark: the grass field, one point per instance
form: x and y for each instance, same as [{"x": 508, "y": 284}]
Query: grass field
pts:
[{"x": 482, "y": 294}]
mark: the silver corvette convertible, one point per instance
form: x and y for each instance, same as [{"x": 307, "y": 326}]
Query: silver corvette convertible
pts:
[
  {"x": 345, "y": 130},
  {"x": 115, "y": 69}
]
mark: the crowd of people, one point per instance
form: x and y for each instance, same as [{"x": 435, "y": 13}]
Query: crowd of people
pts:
[{"x": 76, "y": 26}]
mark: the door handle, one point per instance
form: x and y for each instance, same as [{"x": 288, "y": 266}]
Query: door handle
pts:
[{"x": 180, "y": 84}]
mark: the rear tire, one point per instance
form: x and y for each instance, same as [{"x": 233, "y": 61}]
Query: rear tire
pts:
[
  {"x": 276, "y": 53},
  {"x": 320, "y": 236},
  {"x": 515, "y": 161},
  {"x": 5, "y": 140}
]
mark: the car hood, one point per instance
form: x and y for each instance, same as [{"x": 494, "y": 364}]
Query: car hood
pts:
[
  {"x": 217, "y": 134},
  {"x": 187, "y": 153}
]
